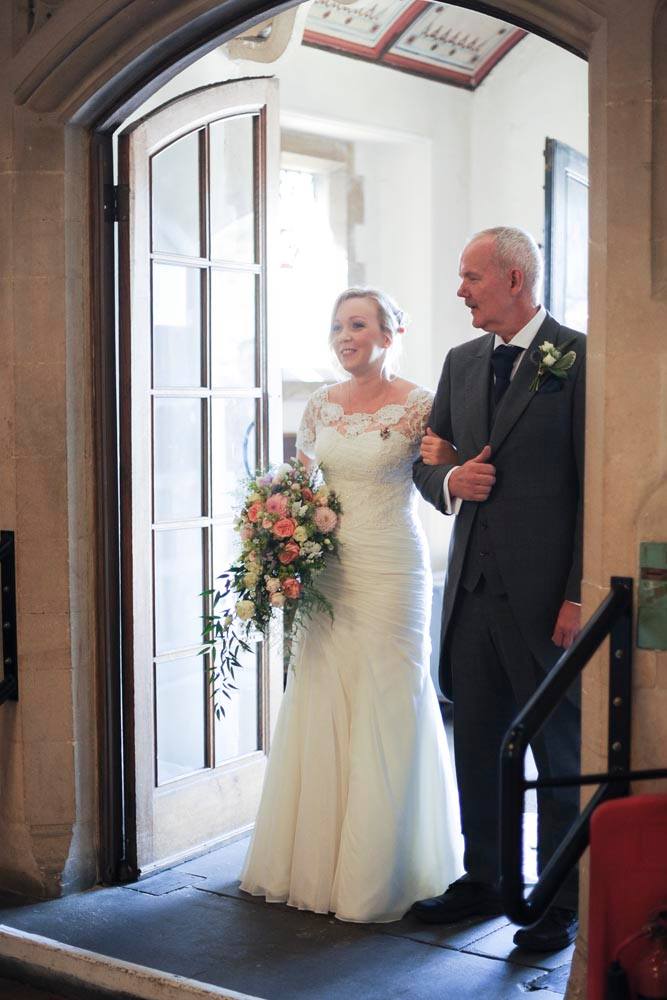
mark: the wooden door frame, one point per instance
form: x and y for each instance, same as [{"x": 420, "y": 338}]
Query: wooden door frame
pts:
[{"x": 183, "y": 116}]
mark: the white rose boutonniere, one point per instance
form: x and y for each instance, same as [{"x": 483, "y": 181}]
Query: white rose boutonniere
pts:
[{"x": 552, "y": 361}]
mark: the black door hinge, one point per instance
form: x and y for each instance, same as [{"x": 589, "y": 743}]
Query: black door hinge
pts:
[{"x": 116, "y": 202}]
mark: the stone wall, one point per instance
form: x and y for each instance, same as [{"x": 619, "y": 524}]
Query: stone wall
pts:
[{"x": 45, "y": 495}]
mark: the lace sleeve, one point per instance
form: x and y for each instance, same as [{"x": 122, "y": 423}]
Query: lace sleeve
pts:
[
  {"x": 307, "y": 432},
  {"x": 418, "y": 413}
]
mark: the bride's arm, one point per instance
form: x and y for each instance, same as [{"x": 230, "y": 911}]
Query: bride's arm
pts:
[
  {"x": 435, "y": 450},
  {"x": 430, "y": 479},
  {"x": 301, "y": 457}
]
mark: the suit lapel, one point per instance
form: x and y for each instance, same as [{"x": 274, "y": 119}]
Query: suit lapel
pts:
[
  {"x": 477, "y": 393},
  {"x": 519, "y": 394}
]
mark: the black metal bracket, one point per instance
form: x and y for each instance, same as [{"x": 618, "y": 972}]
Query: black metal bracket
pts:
[
  {"x": 9, "y": 685},
  {"x": 614, "y": 619}
]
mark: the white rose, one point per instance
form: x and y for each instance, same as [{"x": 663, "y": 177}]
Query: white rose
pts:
[
  {"x": 281, "y": 472},
  {"x": 301, "y": 534},
  {"x": 548, "y": 360},
  {"x": 250, "y": 580},
  {"x": 272, "y": 584},
  {"x": 245, "y": 610},
  {"x": 547, "y": 346}
]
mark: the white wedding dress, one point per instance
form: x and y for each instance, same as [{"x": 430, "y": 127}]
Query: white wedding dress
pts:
[{"x": 359, "y": 812}]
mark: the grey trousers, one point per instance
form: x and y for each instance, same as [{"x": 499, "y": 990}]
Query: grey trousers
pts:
[{"x": 494, "y": 675}]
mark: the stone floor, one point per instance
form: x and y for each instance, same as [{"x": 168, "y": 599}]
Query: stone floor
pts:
[{"x": 194, "y": 921}]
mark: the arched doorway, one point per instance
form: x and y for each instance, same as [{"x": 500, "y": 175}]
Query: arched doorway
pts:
[{"x": 120, "y": 798}]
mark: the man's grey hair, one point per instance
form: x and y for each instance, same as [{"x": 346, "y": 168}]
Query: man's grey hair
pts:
[{"x": 516, "y": 248}]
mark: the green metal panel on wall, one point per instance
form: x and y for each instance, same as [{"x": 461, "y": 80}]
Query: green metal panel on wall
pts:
[{"x": 652, "y": 605}]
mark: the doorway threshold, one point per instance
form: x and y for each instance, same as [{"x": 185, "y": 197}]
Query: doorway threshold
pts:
[
  {"x": 194, "y": 922},
  {"x": 79, "y": 973}
]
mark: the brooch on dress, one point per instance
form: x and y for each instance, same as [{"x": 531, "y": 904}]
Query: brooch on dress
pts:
[{"x": 384, "y": 433}]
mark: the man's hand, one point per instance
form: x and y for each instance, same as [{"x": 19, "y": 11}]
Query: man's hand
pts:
[
  {"x": 474, "y": 479},
  {"x": 435, "y": 450},
  {"x": 568, "y": 624}
]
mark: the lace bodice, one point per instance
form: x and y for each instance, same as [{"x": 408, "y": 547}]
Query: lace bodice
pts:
[{"x": 367, "y": 457}]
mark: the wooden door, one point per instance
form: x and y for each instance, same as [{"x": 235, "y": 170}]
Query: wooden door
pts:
[{"x": 200, "y": 409}]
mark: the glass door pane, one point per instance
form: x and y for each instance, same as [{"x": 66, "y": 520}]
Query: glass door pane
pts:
[
  {"x": 176, "y": 198},
  {"x": 176, "y": 326},
  {"x": 177, "y": 458},
  {"x": 179, "y": 581},
  {"x": 233, "y": 451},
  {"x": 233, "y": 328},
  {"x": 196, "y": 362},
  {"x": 232, "y": 196},
  {"x": 181, "y": 729}
]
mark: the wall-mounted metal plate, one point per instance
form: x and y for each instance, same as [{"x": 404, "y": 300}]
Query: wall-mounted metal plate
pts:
[{"x": 652, "y": 597}]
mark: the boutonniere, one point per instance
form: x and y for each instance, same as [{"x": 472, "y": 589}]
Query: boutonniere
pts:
[{"x": 551, "y": 361}]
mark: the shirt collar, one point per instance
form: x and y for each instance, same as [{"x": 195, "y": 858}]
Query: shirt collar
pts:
[{"x": 525, "y": 335}]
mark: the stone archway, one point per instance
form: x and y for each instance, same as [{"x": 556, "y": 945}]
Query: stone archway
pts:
[{"x": 87, "y": 65}]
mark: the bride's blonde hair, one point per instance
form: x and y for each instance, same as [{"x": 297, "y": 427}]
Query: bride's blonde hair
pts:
[{"x": 392, "y": 320}]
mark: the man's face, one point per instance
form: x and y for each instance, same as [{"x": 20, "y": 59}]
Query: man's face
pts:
[{"x": 485, "y": 288}]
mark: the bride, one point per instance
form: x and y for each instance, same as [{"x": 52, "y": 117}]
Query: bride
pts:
[{"x": 359, "y": 812}]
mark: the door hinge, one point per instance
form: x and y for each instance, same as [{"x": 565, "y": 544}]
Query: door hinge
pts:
[{"x": 116, "y": 202}]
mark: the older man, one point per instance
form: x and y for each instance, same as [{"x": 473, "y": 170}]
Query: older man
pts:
[{"x": 514, "y": 408}]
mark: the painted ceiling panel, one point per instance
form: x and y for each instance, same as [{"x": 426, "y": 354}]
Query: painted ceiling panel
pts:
[{"x": 438, "y": 40}]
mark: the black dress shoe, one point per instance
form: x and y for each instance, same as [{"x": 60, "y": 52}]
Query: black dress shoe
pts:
[
  {"x": 463, "y": 899},
  {"x": 556, "y": 930}
]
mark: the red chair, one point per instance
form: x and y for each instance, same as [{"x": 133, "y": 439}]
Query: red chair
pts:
[{"x": 628, "y": 880}]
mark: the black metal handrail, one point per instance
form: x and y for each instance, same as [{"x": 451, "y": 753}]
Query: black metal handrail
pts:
[
  {"x": 9, "y": 685},
  {"x": 614, "y": 619}
]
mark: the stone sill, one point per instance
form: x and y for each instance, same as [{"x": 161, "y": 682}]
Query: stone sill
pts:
[{"x": 82, "y": 975}]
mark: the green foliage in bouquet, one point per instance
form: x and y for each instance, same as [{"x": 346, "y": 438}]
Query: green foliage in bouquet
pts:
[{"x": 287, "y": 527}]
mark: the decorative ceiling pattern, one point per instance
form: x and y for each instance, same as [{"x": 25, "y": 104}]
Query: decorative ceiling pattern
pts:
[{"x": 438, "y": 40}]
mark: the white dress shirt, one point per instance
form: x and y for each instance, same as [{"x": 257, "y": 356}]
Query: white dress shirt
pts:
[{"x": 523, "y": 340}]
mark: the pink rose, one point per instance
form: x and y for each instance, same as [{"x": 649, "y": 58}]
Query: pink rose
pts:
[
  {"x": 284, "y": 528},
  {"x": 291, "y": 588},
  {"x": 325, "y": 519},
  {"x": 255, "y": 511},
  {"x": 307, "y": 494},
  {"x": 289, "y": 553},
  {"x": 277, "y": 504},
  {"x": 247, "y": 532}
]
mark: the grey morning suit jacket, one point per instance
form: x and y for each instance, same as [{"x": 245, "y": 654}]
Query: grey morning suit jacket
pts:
[{"x": 533, "y": 516}]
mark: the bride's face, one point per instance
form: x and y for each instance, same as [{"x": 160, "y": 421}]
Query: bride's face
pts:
[{"x": 357, "y": 338}]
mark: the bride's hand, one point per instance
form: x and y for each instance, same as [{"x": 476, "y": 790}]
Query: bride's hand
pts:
[{"x": 435, "y": 450}]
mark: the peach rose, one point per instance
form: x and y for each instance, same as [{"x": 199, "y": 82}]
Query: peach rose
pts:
[
  {"x": 325, "y": 519},
  {"x": 277, "y": 600},
  {"x": 289, "y": 553},
  {"x": 291, "y": 588},
  {"x": 255, "y": 511},
  {"x": 267, "y": 523},
  {"x": 277, "y": 504},
  {"x": 284, "y": 528},
  {"x": 247, "y": 532}
]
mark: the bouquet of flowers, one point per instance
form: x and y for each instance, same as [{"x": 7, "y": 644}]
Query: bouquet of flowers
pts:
[{"x": 287, "y": 526}]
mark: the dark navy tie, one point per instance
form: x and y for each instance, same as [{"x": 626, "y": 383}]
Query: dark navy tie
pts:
[{"x": 502, "y": 361}]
